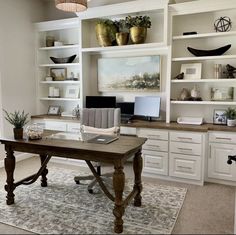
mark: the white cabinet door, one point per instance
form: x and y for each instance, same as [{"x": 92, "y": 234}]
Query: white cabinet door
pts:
[
  {"x": 155, "y": 162},
  {"x": 217, "y": 162},
  {"x": 185, "y": 166}
]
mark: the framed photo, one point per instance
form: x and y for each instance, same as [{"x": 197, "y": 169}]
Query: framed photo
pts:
[
  {"x": 129, "y": 73},
  {"x": 219, "y": 117},
  {"x": 58, "y": 74},
  {"x": 72, "y": 92},
  {"x": 222, "y": 93},
  {"x": 54, "y": 110},
  {"x": 191, "y": 71}
]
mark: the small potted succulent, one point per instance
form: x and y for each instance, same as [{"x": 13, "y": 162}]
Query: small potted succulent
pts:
[
  {"x": 230, "y": 114},
  {"x": 106, "y": 32},
  {"x": 138, "y": 28},
  {"x": 122, "y": 36},
  {"x": 18, "y": 120}
]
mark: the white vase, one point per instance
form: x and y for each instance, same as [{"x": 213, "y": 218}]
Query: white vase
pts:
[{"x": 230, "y": 122}]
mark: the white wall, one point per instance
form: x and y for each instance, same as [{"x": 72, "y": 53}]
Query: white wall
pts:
[{"x": 17, "y": 56}]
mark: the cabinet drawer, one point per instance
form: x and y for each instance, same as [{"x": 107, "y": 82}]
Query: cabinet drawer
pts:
[
  {"x": 186, "y": 148},
  {"x": 186, "y": 137},
  {"x": 73, "y": 127},
  {"x": 185, "y": 166},
  {"x": 155, "y": 162},
  {"x": 219, "y": 137},
  {"x": 56, "y": 126},
  {"x": 153, "y": 134},
  {"x": 158, "y": 145}
]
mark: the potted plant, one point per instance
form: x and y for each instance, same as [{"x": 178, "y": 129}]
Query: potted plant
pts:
[
  {"x": 122, "y": 36},
  {"x": 230, "y": 114},
  {"x": 106, "y": 32},
  {"x": 138, "y": 28},
  {"x": 18, "y": 120}
]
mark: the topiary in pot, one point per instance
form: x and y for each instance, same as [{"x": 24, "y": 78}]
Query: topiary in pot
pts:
[
  {"x": 106, "y": 32},
  {"x": 122, "y": 37},
  {"x": 18, "y": 120},
  {"x": 138, "y": 28},
  {"x": 230, "y": 114}
]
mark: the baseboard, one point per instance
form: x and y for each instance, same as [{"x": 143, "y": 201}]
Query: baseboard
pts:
[{"x": 19, "y": 157}]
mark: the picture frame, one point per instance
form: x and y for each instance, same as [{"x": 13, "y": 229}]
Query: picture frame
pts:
[
  {"x": 191, "y": 71},
  {"x": 219, "y": 117},
  {"x": 72, "y": 92},
  {"x": 222, "y": 93},
  {"x": 54, "y": 110},
  {"x": 58, "y": 74},
  {"x": 138, "y": 73}
]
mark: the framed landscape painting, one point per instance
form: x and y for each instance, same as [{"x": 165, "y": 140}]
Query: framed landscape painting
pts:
[{"x": 140, "y": 73}]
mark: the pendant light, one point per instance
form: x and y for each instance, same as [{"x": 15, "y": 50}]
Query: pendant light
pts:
[{"x": 71, "y": 5}]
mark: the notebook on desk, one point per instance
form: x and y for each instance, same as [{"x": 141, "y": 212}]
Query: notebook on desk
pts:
[{"x": 103, "y": 139}]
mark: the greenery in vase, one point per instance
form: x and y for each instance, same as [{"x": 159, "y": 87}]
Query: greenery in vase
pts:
[
  {"x": 122, "y": 25},
  {"x": 230, "y": 113},
  {"x": 17, "y": 119},
  {"x": 139, "y": 21}
]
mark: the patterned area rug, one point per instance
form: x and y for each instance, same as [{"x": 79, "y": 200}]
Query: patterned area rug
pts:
[{"x": 66, "y": 208}]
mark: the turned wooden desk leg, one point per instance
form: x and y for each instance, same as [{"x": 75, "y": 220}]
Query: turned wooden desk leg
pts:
[
  {"x": 10, "y": 163},
  {"x": 137, "y": 167},
  {"x": 45, "y": 171},
  {"x": 118, "y": 185}
]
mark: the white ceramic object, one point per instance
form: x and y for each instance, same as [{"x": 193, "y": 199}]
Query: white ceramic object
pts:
[
  {"x": 230, "y": 122},
  {"x": 190, "y": 120},
  {"x": 58, "y": 43}
]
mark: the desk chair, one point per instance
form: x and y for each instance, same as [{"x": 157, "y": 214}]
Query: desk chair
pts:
[{"x": 99, "y": 121}]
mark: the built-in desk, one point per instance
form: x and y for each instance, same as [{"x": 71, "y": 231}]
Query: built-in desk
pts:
[{"x": 186, "y": 153}]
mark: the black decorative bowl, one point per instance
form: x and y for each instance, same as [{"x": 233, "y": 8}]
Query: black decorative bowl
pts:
[
  {"x": 69, "y": 59},
  {"x": 215, "y": 52}
]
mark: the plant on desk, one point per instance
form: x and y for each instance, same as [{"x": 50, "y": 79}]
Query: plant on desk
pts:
[
  {"x": 18, "y": 120},
  {"x": 230, "y": 114}
]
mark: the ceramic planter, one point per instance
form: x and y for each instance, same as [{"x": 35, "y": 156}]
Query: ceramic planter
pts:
[
  {"x": 122, "y": 38},
  {"x": 103, "y": 35},
  {"x": 138, "y": 34},
  {"x": 18, "y": 133}
]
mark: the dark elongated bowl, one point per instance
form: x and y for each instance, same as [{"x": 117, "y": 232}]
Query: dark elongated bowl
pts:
[
  {"x": 69, "y": 59},
  {"x": 215, "y": 52}
]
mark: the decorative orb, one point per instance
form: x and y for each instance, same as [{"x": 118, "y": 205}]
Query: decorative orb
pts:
[{"x": 223, "y": 24}]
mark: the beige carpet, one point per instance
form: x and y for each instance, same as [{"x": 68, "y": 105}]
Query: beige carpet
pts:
[{"x": 206, "y": 210}]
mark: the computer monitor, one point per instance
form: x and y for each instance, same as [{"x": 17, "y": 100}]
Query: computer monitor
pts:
[
  {"x": 100, "y": 102},
  {"x": 126, "y": 108},
  {"x": 147, "y": 106}
]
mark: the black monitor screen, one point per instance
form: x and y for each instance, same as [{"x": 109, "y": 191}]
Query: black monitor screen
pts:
[
  {"x": 126, "y": 108},
  {"x": 148, "y": 106},
  {"x": 100, "y": 101}
]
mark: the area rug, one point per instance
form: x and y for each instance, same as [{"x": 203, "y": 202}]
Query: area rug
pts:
[{"x": 66, "y": 208}]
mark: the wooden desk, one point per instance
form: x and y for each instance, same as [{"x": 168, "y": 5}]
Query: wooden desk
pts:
[{"x": 115, "y": 153}]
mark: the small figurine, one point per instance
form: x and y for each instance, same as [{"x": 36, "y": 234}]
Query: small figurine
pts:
[
  {"x": 184, "y": 94},
  {"x": 179, "y": 76},
  {"x": 195, "y": 94},
  {"x": 223, "y": 24},
  {"x": 230, "y": 71}
]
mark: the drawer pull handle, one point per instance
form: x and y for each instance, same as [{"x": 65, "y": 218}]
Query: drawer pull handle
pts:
[
  {"x": 154, "y": 163},
  {"x": 185, "y": 138},
  {"x": 223, "y": 138},
  {"x": 185, "y": 167},
  {"x": 185, "y": 149},
  {"x": 152, "y": 145}
]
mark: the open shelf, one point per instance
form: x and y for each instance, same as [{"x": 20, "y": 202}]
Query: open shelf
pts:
[
  {"x": 59, "y": 47},
  {"x": 59, "y": 99},
  {"x": 221, "y": 57},
  {"x": 59, "y": 65},
  {"x": 223, "y": 80},
  {"x": 204, "y": 35},
  {"x": 204, "y": 102},
  {"x": 60, "y": 82}
]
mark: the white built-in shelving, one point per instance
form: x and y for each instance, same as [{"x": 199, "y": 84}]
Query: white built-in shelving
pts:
[
  {"x": 59, "y": 65},
  {"x": 211, "y": 80},
  {"x": 59, "y": 99},
  {"x": 222, "y": 57},
  {"x": 75, "y": 46},
  {"x": 60, "y": 82},
  {"x": 227, "y": 103}
]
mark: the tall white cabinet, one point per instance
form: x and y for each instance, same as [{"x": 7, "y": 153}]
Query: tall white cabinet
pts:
[{"x": 68, "y": 32}]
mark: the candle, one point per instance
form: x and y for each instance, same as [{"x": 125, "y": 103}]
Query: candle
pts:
[{"x": 56, "y": 92}]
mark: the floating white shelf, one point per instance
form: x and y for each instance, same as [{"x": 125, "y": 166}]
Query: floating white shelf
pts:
[
  {"x": 221, "y": 57},
  {"x": 60, "y": 82},
  {"x": 156, "y": 46},
  {"x": 223, "y": 80},
  {"x": 59, "y": 65},
  {"x": 59, "y": 47},
  {"x": 205, "y": 35},
  {"x": 59, "y": 99},
  {"x": 205, "y": 102}
]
